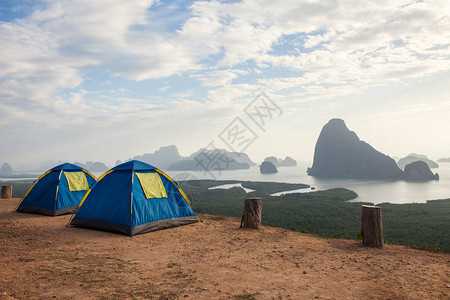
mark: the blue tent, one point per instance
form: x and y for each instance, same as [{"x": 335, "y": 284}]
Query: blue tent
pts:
[
  {"x": 58, "y": 191},
  {"x": 133, "y": 198}
]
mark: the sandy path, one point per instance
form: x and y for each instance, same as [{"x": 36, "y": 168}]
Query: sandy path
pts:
[{"x": 41, "y": 258}]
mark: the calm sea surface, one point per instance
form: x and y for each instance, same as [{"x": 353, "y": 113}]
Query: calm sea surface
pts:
[{"x": 374, "y": 191}]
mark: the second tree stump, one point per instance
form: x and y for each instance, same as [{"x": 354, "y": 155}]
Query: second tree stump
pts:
[
  {"x": 251, "y": 217},
  {"x": 371, "y": 226}
]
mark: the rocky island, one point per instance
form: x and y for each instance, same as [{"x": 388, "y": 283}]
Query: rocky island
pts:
[
  {"x": 268, "y": 168},
  {"x": 419, "y": 171},
  {"x": 279, "y": 162},
  {"x": 213, "y": 160},
  {"x": 161, "y": 158},
  {"x": 416, "y": 157},
  {"x": 339, "y": 153},
  {"x": 6, "y": 169}
]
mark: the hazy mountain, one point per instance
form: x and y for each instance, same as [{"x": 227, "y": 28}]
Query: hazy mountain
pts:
[
  {"x": 161, "y": 158},
  {"x": 93, "y": 166},
  {"x": 419, "y": 171},
  {"x": 421, "y": 156},
  {"x": 416, "y": 157},
  {"x": 239, "y": 157},
  {"x": 267, "y": 167},
  {"x": 88, "y": 164},
  {"x": 77, "y": 163},
  {"x": 279, "y": 162},
  {"x": 288, "y": 162},
  {"x": 98, "y": 167},
  {"x": 444, "y": 160},
  {"x": 340, "y": 153},
  {"x": 6, "y": 169},
  {"x": 213, "y": 160},
  {"x": 48, "y": 164},
  {"x": 273, "y": 160}
]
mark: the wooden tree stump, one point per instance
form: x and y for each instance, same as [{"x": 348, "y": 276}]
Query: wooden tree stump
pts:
[
  {"x": 371, "y": 226},
  {"x": 251, "y": 217},
  {"x": 6, "y": 191}
]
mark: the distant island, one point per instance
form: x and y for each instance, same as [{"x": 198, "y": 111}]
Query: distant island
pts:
[
  {"x": 165, "y": 158},
  {"x": 6, "y": 169},
  {"x": 278, "y": 162},
  {"x": 161, "y": 158},
  {"x": 91, "y": 166},
  {"x": 419, "y": 171},
  {"x": 48, "y": 164},
  {"x": 213, "y": 160},
  {"x": 340, "y": 153},
  {"x": 444, "y": 160},
  {"x": 268, "y": 167},
  {"x": 168, "y": 158},
  {"x": 416, "y": 157}
]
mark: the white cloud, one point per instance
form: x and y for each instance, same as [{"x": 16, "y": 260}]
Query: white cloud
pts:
[
  {"x": 299, "y": 51},
  {"x": 65, "y": 38},
  {"x": 218, "y": 77}
]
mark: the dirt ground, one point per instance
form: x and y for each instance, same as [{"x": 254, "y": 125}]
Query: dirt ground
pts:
[{"x": 41, "y": 258}]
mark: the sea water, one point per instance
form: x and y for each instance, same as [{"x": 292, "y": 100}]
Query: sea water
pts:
[{"x": 372, "y": 191}]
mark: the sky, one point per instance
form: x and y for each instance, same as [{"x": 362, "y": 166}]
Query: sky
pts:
[{"x": 86, "y": 80}]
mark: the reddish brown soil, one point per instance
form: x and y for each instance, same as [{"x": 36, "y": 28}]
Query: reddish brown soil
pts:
[{"x": 41, "y": 258}]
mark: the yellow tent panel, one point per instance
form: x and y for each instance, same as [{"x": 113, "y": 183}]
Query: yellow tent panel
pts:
[
  {"x": 179, "y": 189},
  {"x": 77, "y": 181},
  {"x": 152, "y": 185}
]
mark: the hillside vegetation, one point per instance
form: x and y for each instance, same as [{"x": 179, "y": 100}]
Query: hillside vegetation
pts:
[{"x": 325, "y": 213}]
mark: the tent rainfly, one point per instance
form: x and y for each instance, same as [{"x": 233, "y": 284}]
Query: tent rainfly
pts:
[
  {"x": 58, "y": 191},
  {"x": 134, "y": 198}
]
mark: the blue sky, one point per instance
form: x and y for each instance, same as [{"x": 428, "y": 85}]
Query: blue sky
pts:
[{"x": 94, "y": 80}]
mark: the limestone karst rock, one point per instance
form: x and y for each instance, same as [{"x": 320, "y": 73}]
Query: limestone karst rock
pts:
[
  {"x": 339, "y": 153},
  {"x": 268, "y": 168}
]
